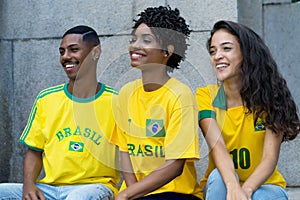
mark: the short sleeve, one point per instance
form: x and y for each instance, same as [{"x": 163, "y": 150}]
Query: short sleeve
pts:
[
  {"x": 32, "y": 135},
  {"x": 182, "y": 139},
  {"x": 118, "y": 137},
  {"x": 204, "y": 102}
]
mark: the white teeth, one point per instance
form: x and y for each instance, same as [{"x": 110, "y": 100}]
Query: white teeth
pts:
[
  {"x": 69, "y": 66},
  {"x": 134, "y": 55},
  {"x": 221, "y": 66}
]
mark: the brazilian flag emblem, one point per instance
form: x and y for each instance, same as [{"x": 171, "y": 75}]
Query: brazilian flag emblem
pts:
[
  {"x": 155, "y": 128},
  {"x": 260, "y": 126},
  {"x": 76, "y": 146}
]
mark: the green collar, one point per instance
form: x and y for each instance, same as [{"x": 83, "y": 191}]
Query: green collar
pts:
[
  {"x": 84, "y": 100},
  {"x": 220, "y": 99}
]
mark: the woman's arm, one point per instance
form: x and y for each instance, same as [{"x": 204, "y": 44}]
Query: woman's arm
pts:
[
  {"x": 268, "y": 162},
  {"x": 222, "y": 159},
  {"x": 159, "y": 177},
  {"x": 32, "y": 168},
  {"x": 127, "y": 170}
]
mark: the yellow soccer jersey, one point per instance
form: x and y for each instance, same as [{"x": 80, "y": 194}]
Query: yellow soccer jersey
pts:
[
  {"x": 158, "y": 126},
  {"x": 73, "y": 135},
  {"x": 243, "y": 139}
]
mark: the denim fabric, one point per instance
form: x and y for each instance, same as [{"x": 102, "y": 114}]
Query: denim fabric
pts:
[
  {"x": 13, "y": 191},
  {"x": 216, "y": 189}
]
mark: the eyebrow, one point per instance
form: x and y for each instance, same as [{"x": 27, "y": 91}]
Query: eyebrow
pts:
[
  {"x": 226, "y": 43},
  {"x": 71, "y": 45},
  {"x": 222, "y": 44},
  {"x": 147, "y": 34},
  {"x": 144, "y": 35},
  {"x": 150, "y": 35}
]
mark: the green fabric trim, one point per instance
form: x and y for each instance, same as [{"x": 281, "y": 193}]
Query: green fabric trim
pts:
[
  {"x": 84, "y": 100},
  {"x": 30, "y": 147},
  {"x": 110, "y": 89},
  {"x": 206, "y": 114},
  {"x": 42, "y": 94},
  {"x": 220, "y": 99}
]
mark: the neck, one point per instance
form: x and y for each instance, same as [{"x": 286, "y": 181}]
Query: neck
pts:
[
  {"x": 83, "y": 88},
  {"x": 153, "y": 80},
  {"x": 233, "y": 97}
]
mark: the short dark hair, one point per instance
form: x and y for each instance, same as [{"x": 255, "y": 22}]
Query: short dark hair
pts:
[
  {"x": 169, "y": 27},
  {"x": 88, "y": 34}
]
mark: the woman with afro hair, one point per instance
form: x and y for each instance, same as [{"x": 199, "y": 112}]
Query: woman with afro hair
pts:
[
  {"x": 245, "y": 117},
  {"x": 157, "y": 114}
]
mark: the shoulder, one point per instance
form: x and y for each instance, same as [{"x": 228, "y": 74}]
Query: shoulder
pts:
[
  {"x": 206, "y": 93},
  {"x": 51, "y": 90},
  {"x": 178, "y": 87},
  {"x": 179, "y": 92},
  {"x": 131, "y": 86},
  {"x": 212, "y": 88},
  {"x": 109, "y": 89},
  {"x": 208, "y": 90}
]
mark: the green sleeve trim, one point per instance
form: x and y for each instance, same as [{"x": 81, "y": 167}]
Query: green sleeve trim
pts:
[
  {"x": 206, "y": 114},
  {"x": 30, "y": 147}
]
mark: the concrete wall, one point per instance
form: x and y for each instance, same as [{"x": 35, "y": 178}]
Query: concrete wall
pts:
[{"x": 29, "y": 59}]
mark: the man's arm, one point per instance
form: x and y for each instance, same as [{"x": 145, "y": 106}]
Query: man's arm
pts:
[{"x": 31, "y": 170}]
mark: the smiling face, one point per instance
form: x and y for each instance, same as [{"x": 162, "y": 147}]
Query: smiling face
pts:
[
  {"x": 225, "y": 55},
  {"x": 144, "y": 49},
  {"x": 73, "y": 51}
]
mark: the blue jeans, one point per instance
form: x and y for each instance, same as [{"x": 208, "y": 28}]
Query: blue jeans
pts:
[
  {"x": 13, "y": 191},
  {"x": 215, "y": 189}
]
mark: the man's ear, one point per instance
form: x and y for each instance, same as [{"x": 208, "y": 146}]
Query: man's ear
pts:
[
  {"x": 96, "y": 52},
  {"x": 170, "y": 50}
]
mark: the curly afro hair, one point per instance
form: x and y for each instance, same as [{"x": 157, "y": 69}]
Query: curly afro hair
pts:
[{"x": 169, "y": 28}]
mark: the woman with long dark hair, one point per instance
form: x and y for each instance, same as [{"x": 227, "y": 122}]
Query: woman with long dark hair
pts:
[{"x": 245, "y": 117}]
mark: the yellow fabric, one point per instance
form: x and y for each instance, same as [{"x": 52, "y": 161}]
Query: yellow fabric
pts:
[
  {"x": 244, "y": 141},
  {"x": 158, "y": 126},
  {"x": 73, "y": 134}
]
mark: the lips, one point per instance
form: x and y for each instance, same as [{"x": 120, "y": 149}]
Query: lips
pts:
[{"x": 136, "y": 55}]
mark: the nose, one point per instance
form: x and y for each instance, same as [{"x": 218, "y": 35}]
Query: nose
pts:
[
  {"x": 134, "y": 45},
  {"x": 65, "y": 56},
  {"x": 218, "y": 55}
]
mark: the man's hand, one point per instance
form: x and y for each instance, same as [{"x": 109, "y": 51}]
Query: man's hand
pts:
[{"x": 32, "y": 192}]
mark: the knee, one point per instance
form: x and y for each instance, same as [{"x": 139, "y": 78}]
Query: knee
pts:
[
  {"x": 270, "y": 192},
  {"x": 214, "y": 176},
  {"x": 95, "y": 191}
]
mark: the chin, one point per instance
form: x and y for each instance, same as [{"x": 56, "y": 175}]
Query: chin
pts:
[{"x": 135, "y": 65}]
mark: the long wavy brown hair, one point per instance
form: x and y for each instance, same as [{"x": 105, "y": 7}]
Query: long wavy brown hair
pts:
[{"x": 264, "y": 91}]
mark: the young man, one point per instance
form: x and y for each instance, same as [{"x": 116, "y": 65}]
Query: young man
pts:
[{"x": 67, "y": 131}]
